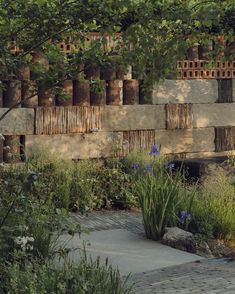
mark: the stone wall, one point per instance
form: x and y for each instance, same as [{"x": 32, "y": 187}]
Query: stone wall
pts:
[{"x": 187, "y": 118}]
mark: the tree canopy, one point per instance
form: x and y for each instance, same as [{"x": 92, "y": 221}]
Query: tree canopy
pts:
[{"x": 154, "y": 34}]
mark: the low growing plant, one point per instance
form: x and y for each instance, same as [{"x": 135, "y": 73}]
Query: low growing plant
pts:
[{"x": 85, "y": 277}]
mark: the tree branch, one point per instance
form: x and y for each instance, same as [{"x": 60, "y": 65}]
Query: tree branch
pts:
[
  {"x": 34, "y": 94},
  {"x": 53, "y": 35},
  {"x": 7, "y": 213}
]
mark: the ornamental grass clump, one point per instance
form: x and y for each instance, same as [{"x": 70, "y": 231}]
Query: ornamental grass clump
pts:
[
  {"x": 213, "y": 210},
  {"x": 159, "y": 189}
]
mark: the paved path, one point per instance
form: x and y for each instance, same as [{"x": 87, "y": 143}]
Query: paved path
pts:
[
  {"x": 110, "y": 220},
  {"x": 212, "y": 276},
  {"x": 207, "y": 276}
]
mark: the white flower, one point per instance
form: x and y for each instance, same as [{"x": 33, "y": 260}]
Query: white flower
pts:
[
  {"x": 7, "y": 148},
  {"x": 23, "y": 242},
  {"x": 2, "y": 137}
]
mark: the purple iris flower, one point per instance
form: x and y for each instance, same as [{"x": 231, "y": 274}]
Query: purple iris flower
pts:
[
  {"x": 170, "y": 166},
  {"x": 148, "y": 168},
  {"x": 154, "y": 150},
  {"x": 184, "y": 216},
  {"x": 135, "y": 166}
]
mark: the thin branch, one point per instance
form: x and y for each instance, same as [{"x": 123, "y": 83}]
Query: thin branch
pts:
[
  {"x": 53, "y": 35},
  {"x": 8, "y": 212},
  {"x": 34, "y": 94}
]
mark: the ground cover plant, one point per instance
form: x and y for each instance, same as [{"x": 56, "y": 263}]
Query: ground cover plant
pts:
[
  {"x": 32, "y": 216},
  {"x": 91, "y": 277}
]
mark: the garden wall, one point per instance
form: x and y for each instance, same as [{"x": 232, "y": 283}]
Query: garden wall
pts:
[{"x": 187, "y": 118}]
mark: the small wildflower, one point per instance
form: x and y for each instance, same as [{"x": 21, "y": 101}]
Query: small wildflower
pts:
[
  {"x": 24, "y": 242},
  {"x": 170, "y": 166},
  {"x": 184, "y": 216},
  {"x": 148, "y": 168},
  {"x": 154, "y": 151},
  {"x": 135, "y": 166},
  {"x": 2, "y": 137}
]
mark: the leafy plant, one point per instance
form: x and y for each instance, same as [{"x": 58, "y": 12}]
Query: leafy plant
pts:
[
  {"x": 85, "y": 277},
  {"x": 115, "y": 186},
  {"x": 28, "y": 212}
]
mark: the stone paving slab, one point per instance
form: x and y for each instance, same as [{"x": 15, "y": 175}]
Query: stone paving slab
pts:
[{"x": 130, "y": 252}]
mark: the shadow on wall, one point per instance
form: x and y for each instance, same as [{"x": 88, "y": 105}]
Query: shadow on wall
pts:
[{"x": 186, "y": 91}]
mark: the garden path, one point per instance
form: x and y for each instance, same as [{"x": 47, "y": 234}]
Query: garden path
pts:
[{"x": 155, "y": 268}]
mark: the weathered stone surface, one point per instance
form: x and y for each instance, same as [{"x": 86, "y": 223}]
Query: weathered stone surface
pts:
[
  {"x": 213, "y": 115},
  {"x": 233, "y": 90},
  {"x": 75, "y": 146},
  {"x": 190, "y": 155},
  {"x": 203, "y": 249},
  {"x": 220, "y": 249},
  {"x": 180, "y": 239},
  {"x": 19, "y": 121},
  {"x": 187, "y": 91},
  {"x": 180, "y": 141},
  {"x": 186, "y": 241},
  {"x": 133, "y": 117}
]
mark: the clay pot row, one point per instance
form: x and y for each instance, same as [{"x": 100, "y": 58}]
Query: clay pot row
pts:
[
  {"x": 203, "y": 52},
  {"x": 77, "y": 92}
]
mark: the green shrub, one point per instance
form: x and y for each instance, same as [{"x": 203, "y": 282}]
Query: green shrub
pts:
[
  {"x": 115, "y": 186},
  {"x": 86, "y": 184},
  {"x": 29, "y": 217},
  {"x": 213, "y": 210},
  {"x": 55, "y": 178},
  {"x": 31, "y": 277}
]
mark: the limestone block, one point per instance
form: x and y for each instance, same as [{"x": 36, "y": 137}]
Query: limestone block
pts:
[
  {"x": 213, "y": 115},
  {"x": 185, "y": 91},
  {"x": 133, "y": 117},
  {"x": 19, "y": 121},
  {"x": 190, "y": 140},
  {"x": 233, "y": 81},
  {"x": 75, "y": 146},
  {"x": 203, "y": 155}
]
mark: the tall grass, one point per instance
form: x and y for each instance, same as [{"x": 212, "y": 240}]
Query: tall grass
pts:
[
  {"x": 161, "y": 191},
  {"x": 213, "y": 210}
]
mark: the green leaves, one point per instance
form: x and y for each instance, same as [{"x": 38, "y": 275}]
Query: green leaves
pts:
[{"x": 156, "y": 31}]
